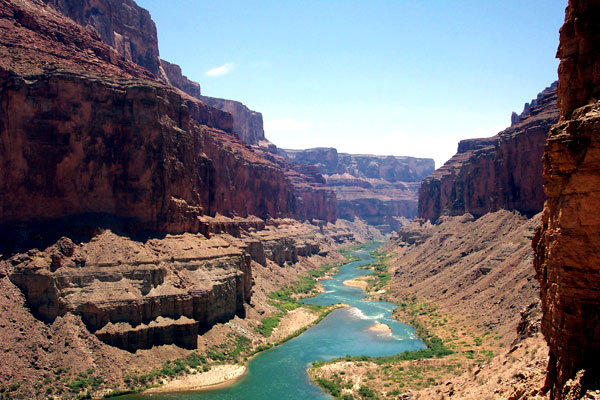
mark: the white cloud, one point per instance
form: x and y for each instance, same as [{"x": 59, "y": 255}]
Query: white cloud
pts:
[
  {"x": 220, "y": 71},
  {"x": 287, "y": 125}
]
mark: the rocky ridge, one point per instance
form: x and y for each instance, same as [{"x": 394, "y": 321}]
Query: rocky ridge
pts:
[
  {"x": 501, "y": 172},
  {"x": 566, "y": 245}
]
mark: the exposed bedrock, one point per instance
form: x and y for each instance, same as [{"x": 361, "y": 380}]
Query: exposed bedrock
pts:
[
  {"x": 180, "y": 81},
  {"x": 121, "y": 24},
  {"x": 390, "y": 168},
  {"x": 135, "y": 294},
  {"x": 247, "y": 124},
  {"x": 126, "y": 148},
  {"x": 567, "y": 244},
  {"x": 83, "y": 130},
  {"x": 502, "y": 172},
  {"x": 138, "y": 294},
  {"x": 378, "y": 189}
]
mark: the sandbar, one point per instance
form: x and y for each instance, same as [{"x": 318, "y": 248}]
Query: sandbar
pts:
[
  {"x": 218, "y": 376},
  {"x": 379, "y": 327},
  {"x": 356, "y": 283}
]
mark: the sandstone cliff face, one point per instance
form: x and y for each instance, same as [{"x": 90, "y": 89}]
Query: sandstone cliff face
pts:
[
  {"x": 84, "y": 131},
  {"x": 180, "y": 81},
  {"x": 390, "y": 168},
  {"x": 378, "y": 189},
  {"x": 247, "y": 124},
  {"x": 130, "y": 31},
  {"x": 135, "y": 295},
  {"x": 502, "y": 172},
  {"x": 567, "y": 244},
  {"x": 122, "y": 24},
  {"x": 312, "y": 198}
]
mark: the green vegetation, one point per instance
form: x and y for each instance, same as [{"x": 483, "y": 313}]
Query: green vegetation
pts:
[
  {"x": 286, "y": 299},
  {"x": 330, "y": 386},
  {"x": 119, "y": 392},
  {"x": 365, "y": 392}
]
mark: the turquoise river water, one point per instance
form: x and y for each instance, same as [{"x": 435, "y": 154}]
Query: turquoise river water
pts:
[{"x": 281, "y": 373}]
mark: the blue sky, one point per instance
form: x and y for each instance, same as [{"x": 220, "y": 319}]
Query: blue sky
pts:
[{"x": 404, "y": 77}]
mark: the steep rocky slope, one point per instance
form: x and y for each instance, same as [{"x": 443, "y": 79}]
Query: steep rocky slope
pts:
[
  {"x": 470, "y": 283},
  {"x": 118, "y": 305},
  {"x": 130, "y": 30},
  {"x": 121, "y": 24},
  {"x": 465, "y": 265},
  {"x": 85, "y": 131},
  {"x": 381, "y": 190},
  {"x": 567, "y": 244},
  {"x": 501, "y": 172}
]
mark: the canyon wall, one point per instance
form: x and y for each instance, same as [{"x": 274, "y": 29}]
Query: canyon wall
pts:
[
  {"x": 501, "y": 172},
  {"x": 381, "y": 190},
  {"x": 567, "y": 245},
  {"x": 121, "y": 24},
  {"x": 100, "y": 160},
  {"x": 180, "y": 81},
  {"x": 247, "y": 124},
  {"x": 85, "y": 131}
]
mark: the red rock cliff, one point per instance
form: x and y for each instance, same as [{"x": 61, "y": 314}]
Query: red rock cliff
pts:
[
  {"x": 567, "y": 244},
  {"x": 130, "y": 30},
  {"x": 82, "y": 130},
  {"x": 378, "y": 189},
  {"x": 501, "y": 172},
  {"x": 122, "y": 24},
  {"x": 247, "y": 124}
]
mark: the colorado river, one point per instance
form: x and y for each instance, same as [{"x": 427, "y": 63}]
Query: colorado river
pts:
[{"x": 280, "y": 373}]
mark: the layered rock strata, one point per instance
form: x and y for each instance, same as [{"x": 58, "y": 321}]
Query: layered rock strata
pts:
[
  {"x": 502, "y": 172},
  {"x": 121, "y": 24},
  {"x": 464, "y": 265},
  {"x": 567, "y": 244},
  {"x": 247, "y": 124},
  {"x": 176, "y": 78},
  {"x": 381, "y": 190},
  {"x": 85, "y": 131},
  {"x": 138, "y": 294}
]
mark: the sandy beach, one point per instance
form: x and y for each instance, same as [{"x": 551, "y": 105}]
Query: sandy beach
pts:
[
  {"x": 379, "y": 327},
  {"x": 357, "y": 283},
  {"x": 218, "y": 376},
  {"x": 292, "y": 322}
]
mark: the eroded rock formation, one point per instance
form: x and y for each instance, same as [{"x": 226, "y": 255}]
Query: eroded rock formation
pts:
[
  {"x": 501, "y": 172},
  {"x": 567, "y": 244},
  {"x": 247, "y": 124},
  {"x": 90, "y": 141},
  {"x": 85, "y": 131},
  {"x": 136, "y": 294},
  {"x": 121, "y": 24},
  {"x": 180, "y": 81},
  {"x": 378, "y": 189}
]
